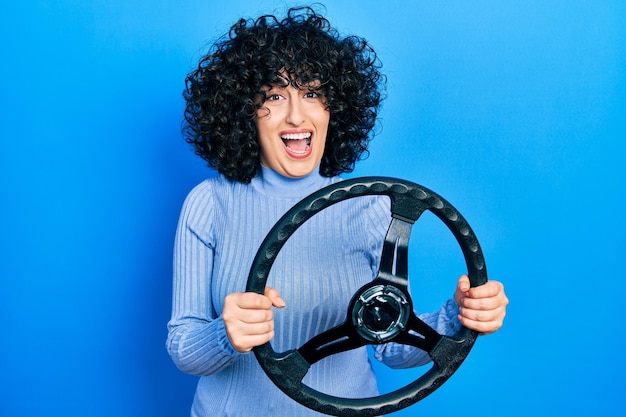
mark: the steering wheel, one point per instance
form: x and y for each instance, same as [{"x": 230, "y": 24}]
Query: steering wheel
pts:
[{"x": 382, "y": 310}]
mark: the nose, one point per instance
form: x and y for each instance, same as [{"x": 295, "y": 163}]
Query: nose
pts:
[{"x": 295, "y": 113}]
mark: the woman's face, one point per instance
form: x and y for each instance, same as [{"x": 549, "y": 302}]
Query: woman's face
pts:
[{"x": 292, "y": 125}]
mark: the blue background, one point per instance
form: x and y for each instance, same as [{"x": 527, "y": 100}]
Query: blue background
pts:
[{"x": 514, "y": 111}]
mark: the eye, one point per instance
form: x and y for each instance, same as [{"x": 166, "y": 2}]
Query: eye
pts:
[
  {"x": 312, "y": 94},
  {"x": 273, "y": 97}
]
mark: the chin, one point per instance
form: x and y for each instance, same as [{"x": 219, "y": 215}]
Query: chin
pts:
[{"x": 299, "y": 173}]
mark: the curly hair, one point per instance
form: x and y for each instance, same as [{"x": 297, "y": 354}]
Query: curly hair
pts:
[{"x": 222, "y": 93}]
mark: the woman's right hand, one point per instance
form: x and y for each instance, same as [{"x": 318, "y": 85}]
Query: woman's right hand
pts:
[{"x": 249, "y": 318}]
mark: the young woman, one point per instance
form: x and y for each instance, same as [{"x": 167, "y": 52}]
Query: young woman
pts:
[{"x": 280, "y": 108}]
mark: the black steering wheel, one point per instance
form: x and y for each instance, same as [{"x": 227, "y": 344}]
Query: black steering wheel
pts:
[{"x": 381, "y": 311}]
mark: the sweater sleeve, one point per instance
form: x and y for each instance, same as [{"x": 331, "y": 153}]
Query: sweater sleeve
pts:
[
  {"x": 395, "y": 355},
  {"x": 197, "y": 341}
]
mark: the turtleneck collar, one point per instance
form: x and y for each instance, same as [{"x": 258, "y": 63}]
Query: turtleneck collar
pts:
[{"x": 272, "y": 183}]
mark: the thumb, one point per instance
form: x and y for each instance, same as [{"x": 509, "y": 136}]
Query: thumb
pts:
[
  {"x": 274, "y": 297},
  {"x": 463, "y": 284},
  {"x": 462, "y": 288}
]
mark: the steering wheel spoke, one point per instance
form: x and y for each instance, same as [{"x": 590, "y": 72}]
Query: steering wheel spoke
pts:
[
  {"x": 336, "y": 340},
  {"x": 288, "y": 368},
  {"x": 419, "y": 334},
  {"x": 394, "y": 261},
  {"x": 449, "y": 352}
]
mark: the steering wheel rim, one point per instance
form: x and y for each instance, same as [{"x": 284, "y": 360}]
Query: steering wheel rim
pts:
[{"x": 408, "y": 202}]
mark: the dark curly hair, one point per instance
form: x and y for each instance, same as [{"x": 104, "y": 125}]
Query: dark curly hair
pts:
[{"x": 222, "y": 93}]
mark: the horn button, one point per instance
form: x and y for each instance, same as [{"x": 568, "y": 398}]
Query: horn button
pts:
[{"x": 380, "y": 313}]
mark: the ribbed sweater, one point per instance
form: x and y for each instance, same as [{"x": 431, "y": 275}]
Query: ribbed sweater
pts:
[{"x": 221, "y": 227}]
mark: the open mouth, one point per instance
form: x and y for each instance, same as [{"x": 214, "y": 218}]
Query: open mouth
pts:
[{"x": 297, "y": 144}]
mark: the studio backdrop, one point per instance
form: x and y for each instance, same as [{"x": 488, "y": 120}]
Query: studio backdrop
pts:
[{"x": 513, "y": 111}]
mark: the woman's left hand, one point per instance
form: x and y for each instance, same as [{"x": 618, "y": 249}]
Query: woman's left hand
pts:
[{"x": 481, "y": 308}]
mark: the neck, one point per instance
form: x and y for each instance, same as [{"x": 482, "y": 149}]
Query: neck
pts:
[{"x": 270, "y": 182}]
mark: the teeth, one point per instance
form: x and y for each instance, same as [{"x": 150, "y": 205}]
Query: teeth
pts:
[{"x": 296, "y": 136}]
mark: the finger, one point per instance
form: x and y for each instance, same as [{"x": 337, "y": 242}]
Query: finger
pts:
[
  {"x": 483, "y": 327},
  {"x": 489, "y": 289},
  {"x": 274, "y": 297},
  {"x": 489, "y": 303},
  {"x": 245, "y": 343},
  {"x": 253, "y": 329},
  {"x": 245, "y": 335},
  {"x": 246, "y": 308},
  {"x": 484, "y": 321},
  {"x": 484, "y": 315},
  {"x": 491, "y": 297},
  {"x": 249, "y": 300},
  {"x": 254, "y": 316}
]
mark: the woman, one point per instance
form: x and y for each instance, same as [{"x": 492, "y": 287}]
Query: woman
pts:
[{"x": 280, "y": 108}]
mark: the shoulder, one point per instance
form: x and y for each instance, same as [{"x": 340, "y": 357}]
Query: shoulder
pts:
[
  {"x": 200, "y": 195},
  {"x": 199, "y": 206},
  {"x": 211, "y": 189}
]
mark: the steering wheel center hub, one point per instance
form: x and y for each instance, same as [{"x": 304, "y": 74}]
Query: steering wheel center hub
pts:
[{"x": 380, "y": 313}]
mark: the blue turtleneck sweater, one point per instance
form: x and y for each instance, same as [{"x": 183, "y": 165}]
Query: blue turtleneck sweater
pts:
[{"x": 317, "y": 272}]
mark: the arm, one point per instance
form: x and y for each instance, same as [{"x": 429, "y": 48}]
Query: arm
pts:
[
  {"x": 201, "y": 341},
  {"x": 197, "y": 341}
]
